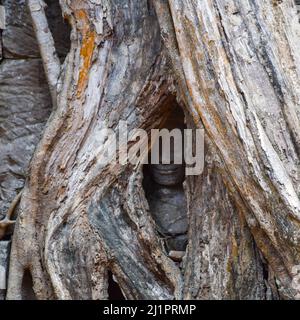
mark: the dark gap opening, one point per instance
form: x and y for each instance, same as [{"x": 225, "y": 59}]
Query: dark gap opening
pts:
[
  {"x": 60, "y": 29},
  {"x": 163, "y": 185},
  {"x": 27, "y": 286},
  {"x": 6, "y": 237},
  {"x": 114, "y": 290}
]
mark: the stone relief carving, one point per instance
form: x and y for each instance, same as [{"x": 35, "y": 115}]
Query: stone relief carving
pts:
[{"x": 165, "y": 194}]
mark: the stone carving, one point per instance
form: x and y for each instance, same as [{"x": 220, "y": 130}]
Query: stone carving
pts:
[
  {"x": 167, "y": 174},
  {"x": 163, "y": 185},
  {"x": 167, "y": 203}
]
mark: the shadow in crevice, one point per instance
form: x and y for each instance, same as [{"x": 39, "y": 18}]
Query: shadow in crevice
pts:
[
  {"x": 60, "y": 29},
  {"x": 27, "y": 286},
  {"x": 114, "y": 291}
]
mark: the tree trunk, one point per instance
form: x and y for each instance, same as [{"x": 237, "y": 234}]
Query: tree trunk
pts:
[{"x": 233, "y": 67}]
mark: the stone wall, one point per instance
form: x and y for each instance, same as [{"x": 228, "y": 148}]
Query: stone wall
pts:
[{"x": 25, "y": 103}]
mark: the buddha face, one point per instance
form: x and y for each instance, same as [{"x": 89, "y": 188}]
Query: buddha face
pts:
[
  {"x": 170, "y": 174},
  {"x": 167, "y": 174}
]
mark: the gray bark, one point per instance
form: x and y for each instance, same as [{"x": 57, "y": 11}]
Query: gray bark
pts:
[
  {"x": 233, "y": 66},
  {"x": 242, "y": 77},
  {"x": 46, "y": 44}
]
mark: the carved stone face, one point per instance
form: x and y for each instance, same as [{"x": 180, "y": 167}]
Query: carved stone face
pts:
[{"x": 167, "y": 174}]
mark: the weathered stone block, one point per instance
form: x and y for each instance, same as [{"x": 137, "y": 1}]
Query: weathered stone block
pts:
[
  {"x": 25, "y": 105},
  {"x": 24, "y": 96},
  {"x": 168, "y": 207},
  {"x": 177, "y": 243},
  {"x": 4, "y": 259},
  {"x": 19, "y": 37},
  {"x": 2, "y": 17}
]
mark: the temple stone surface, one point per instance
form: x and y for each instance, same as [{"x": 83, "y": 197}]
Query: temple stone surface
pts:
[
  {"x": 4, "y": 259},
  {"x": 25, "y": 103}
]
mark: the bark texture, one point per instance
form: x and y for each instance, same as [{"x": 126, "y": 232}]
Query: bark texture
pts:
[
  {"x": 233, "y": 66},
  {"x": 62, "y": 185},
  {"x": 240, "y": 61},
  {"x": 25, "y": 102}
]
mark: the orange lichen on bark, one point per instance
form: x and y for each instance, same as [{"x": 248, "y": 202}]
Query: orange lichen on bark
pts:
[{"x": 87, "y": 49}]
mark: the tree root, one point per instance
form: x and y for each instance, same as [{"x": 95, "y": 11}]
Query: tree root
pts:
[{"x": 7, "y": 221}]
